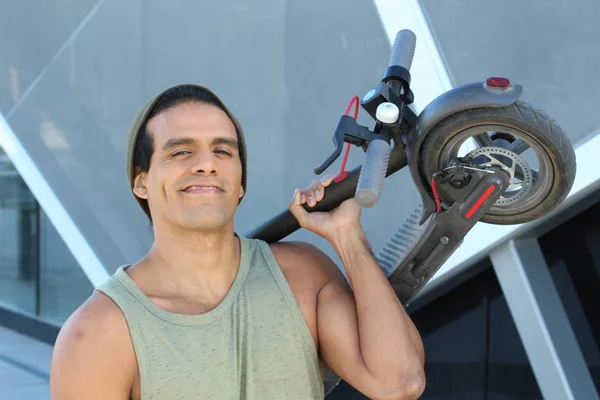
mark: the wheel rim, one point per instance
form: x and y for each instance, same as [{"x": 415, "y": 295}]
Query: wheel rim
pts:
[{"x": 512, "y": 140}]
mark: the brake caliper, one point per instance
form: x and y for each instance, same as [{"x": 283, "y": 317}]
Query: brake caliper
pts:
[{"x": 458, "y": 178}]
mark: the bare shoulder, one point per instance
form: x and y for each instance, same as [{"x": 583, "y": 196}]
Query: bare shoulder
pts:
[
  {"x": 306, "y": 261},
  {"x": 98, "y": 320},
  {"x": 93, "y": 356}
]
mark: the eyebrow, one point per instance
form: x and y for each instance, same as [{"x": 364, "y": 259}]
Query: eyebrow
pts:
[{"x": 175, "y": 142}]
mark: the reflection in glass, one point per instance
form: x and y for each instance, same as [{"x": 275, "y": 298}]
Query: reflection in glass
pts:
[
  {"x": 63, "y": 284},
  {"x": 19, "y": 262},
  {"x": 38, "y": 274}
]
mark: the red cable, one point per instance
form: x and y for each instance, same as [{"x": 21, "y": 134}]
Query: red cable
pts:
[
  {"x": 355, "y": 99},
  {"x": 343, "y": 173},
  {"x": 436, "y": 195}
]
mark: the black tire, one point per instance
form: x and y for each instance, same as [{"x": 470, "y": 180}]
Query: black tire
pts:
[{"x": 535, "y": 126}]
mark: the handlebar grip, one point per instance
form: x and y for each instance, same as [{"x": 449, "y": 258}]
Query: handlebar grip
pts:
[
  {"x": 372, "y": 173},
  {"x": 403, "y": 49},
  {"x": 376, "y": 160}
]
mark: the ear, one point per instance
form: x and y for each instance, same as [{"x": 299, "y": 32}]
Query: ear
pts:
[
  {"x": 139, "y": 184},
  {"x": 241, "y": 192}
]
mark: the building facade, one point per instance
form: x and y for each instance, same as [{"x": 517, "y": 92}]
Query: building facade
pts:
[{"x": 512, "y": 313}]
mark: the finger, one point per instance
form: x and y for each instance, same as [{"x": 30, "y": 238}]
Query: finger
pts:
[
  {"x": 319, "y": 187},
  {"x": 307, "y": 197},
  {"x": 302, "y": 198},
  {"x": 319, "y": 192},
  {"x": 296, "y": 207},
  {"x": 326, "y": 181},
  {"x": 310, "y": 199},
  {"x": 310, "y": 194}
]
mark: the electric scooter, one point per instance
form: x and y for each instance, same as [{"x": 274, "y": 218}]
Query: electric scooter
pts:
[{"x": 521, "y": 168}]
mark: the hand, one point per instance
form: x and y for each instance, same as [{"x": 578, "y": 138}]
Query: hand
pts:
[{"x": 325, "y": 224}]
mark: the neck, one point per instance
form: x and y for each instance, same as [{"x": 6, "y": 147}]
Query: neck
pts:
[{"x": 192, "y": 262}]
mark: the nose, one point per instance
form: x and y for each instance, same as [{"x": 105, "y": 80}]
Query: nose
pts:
[{"x": 203, "y": 163}]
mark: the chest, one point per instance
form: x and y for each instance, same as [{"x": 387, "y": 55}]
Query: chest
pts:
[
  {"x": 263, "y": 344},
  {"x": 263, "y": 297}
]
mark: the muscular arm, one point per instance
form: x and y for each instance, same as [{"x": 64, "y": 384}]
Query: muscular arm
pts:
[
  {"x": 93, "y": 356},
  {"x": 365, "y": 334}
]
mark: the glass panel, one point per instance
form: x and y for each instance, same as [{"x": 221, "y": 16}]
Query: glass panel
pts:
[
  {"x": 551, "y": 47},
  {"x": 18, "y": 240},
  {"x": 64, "y": 286},
  {"x": 284, "y": 68},
  {"x": 31, "y": 33}
]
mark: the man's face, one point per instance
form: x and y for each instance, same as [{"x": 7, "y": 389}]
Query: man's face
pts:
[{"x": 195, "y": 175}]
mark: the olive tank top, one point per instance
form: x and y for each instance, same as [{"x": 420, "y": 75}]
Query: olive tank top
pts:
[{"x": 255, "y": 345}]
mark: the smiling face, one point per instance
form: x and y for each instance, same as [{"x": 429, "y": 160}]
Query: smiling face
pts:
[{"x": 195, "y": 177}]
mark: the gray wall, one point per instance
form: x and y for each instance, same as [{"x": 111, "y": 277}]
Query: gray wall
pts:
[
  {"x": 73, "y": 75},
  {"x": 552, "y": 47},
  {"x": 287, "y": 69}
]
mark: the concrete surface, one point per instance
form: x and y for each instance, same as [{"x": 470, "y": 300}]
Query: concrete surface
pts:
[{"x": 24, "y": 367}]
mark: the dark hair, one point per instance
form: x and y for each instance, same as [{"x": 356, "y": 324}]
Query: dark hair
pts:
[{"x": 144, "y": 146}]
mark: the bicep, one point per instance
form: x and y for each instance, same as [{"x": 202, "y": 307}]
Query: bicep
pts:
[
  {"x": 337, "y": 323},
  {"x": 337, "y": 320},
  {"x": 86, "y": 363},
  {"x": 339, "y": 340}
]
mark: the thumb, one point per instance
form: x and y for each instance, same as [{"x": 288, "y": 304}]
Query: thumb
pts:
[{"x": 297, "y": 209}]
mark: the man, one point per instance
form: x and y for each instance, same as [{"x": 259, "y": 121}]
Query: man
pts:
[{"x": 210, "y": 314}]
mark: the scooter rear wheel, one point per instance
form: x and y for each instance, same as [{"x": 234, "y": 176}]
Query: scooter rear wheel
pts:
[{"x": 521, "y": 133}]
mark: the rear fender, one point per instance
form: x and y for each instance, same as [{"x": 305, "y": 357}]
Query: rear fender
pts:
[{"x": 469, "y": 96}]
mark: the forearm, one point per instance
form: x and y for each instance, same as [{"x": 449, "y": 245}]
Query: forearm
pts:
[{"x": 390, "y": 344}]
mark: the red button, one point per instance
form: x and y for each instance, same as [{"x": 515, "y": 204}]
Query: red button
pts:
[{"x": 497, "y": 82}]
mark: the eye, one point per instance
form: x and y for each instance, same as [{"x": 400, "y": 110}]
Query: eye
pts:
[
  {"x": 180, "y": 152},
  {"x": 225, "y": 152}
]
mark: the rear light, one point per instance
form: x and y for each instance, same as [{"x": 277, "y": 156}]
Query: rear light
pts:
[
  {"x": 498, "y": 82},
  {"x": 480, "y": 201}
]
